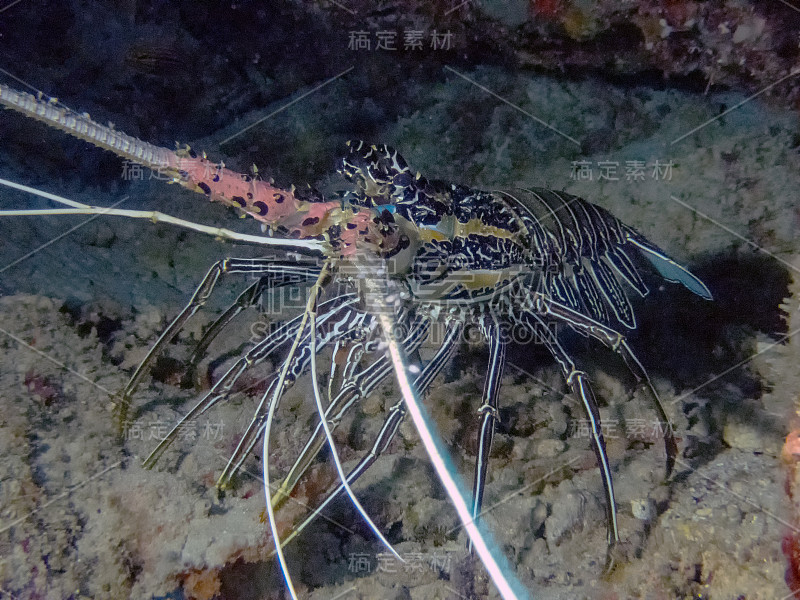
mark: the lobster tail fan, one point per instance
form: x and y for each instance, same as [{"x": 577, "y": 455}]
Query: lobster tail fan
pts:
[{"x": 668, "y": 268}]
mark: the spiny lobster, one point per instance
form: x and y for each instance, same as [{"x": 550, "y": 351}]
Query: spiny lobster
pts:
[{"x": 427, "y": 251}]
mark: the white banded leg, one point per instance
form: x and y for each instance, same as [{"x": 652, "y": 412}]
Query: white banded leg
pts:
[
  {"x": 285, "y": 274},
  {"x": 392, "y": 422},
  {"x": 580, "y": 387},
  {"x": 616, "y": 342},
  {"x": 264, "y": 267},
  {"x": 298, "y": 363},
  {"x": 254, "y": 356},
  {"x": 349, "y": 350},
  {"x": 494, "y": 333},
  {"x": 355, "y": 387}
]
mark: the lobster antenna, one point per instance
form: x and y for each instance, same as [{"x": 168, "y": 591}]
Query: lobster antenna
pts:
[
  {"x": 502, "y": 576},
  {"x": 84, "y": 209},
  {"x": 268, "y": 204},
  {"x": 312, "y": 313},
  {"x": 273, "y": 405},
  {"x": 84, "y": 128}
]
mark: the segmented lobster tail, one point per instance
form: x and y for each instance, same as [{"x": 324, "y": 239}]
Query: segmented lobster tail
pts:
[{"x": 586, "y": 253}]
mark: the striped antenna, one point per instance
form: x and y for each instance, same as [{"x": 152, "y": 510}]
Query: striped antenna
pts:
[{"x": 271, "y": 205}]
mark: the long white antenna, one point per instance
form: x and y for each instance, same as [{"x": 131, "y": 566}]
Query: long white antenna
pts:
[
  {"x": 379, "y": 293},
  {"x": 155, "y": 217}
]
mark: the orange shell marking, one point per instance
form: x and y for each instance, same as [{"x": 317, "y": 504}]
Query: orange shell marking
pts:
[
  {"x": 791, "y": 449},
  {"x": 259, "y": 199},
  {"x": 275, "y": 206}
]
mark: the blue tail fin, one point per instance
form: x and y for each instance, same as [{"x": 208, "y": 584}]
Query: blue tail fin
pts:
[{"x": 668, "y": 268}]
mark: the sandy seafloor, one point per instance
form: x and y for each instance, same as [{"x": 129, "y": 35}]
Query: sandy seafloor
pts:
[{"x": 80, "y": 518}]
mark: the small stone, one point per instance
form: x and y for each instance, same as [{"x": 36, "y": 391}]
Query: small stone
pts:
[
  {"x": 102, "y": 236},
  {"x": 538, "y": 515},
  {"x": 642, "y": 509},
  {"x": 733, "y": 512},
  {"x": 558, "y": 420},
  {"x": 522, "y": 450},
  {"x": 743, "y": 32},
  {"x": 549, "y": 448},
  {"x": 743, "y": 437},
  {"x": 372, "y": 405},
  {"x": 567, "y": 516}
]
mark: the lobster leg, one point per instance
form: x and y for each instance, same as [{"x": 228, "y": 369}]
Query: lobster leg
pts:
[
  {"x": 285, "y": 274},
  {"x": 493, "y": 332},
  {"x": 267, "y": 267},
  {"x": 349, "y": 351},
  {"x": 358, "y": 386},
  {"x": 580, "y": 387},
  {"x": 256, "y": 355},
  {"x": 297, "y": 364},
  {"x": 392, "y": 422},
  {"x": 274, "y": 400},
  {"x": 617, "y": 342},
  {"x": 312, "y": 318}
]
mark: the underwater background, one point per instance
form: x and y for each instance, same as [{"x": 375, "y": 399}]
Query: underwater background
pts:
[{"x": 679, "y": 117}]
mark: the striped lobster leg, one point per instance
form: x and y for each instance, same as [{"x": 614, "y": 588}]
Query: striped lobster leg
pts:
[
  {"x": 615, "y": 341},
  {"x": 579, "y": 385},
  {"x": 254, "y": 356},
  {"x": 392, "y": 422},
  {"x": 298, "y": 362},
  {"x": 273, "y": 273},
  {"x": 286, "y": 274},
  {"x": 357, "y": 386},
  {"x": 495, "y": 334},
  {"x": 308, "y": 317}
]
